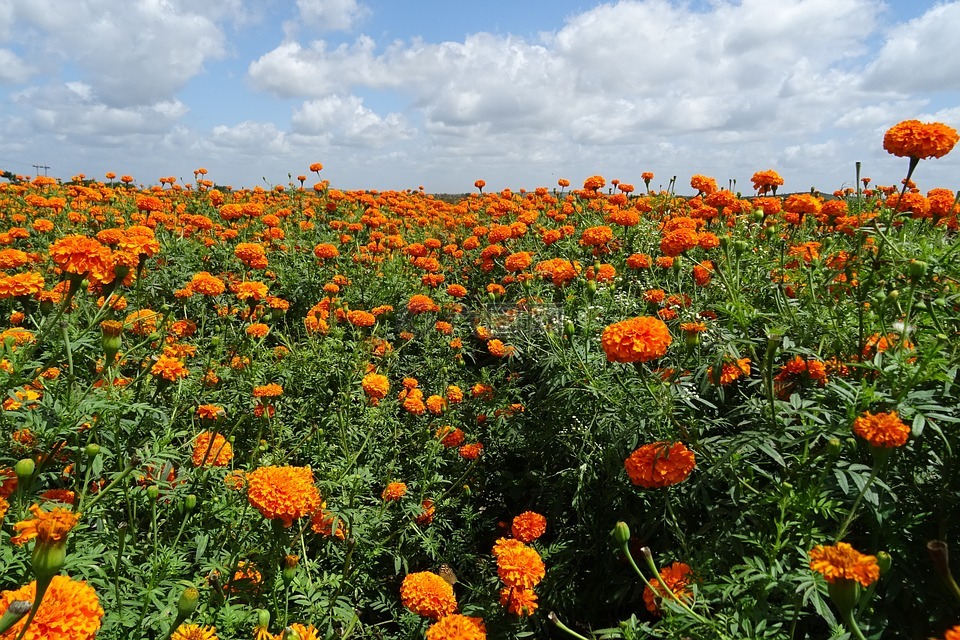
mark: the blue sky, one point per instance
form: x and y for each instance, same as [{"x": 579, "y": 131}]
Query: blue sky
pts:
[{"x": 392, "y": 94}]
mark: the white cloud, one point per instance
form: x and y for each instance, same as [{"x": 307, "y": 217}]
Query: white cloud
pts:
[
  {"x": 72, "y": 111},
  {"x": 347, "y": 122},
  {"x": 131, "y": 53},
  {"x": 921, "y": 55},
  {"x": 248, "y": 137},
  {"x": 331, "y": 15},
  {"x": 13, "y": 69}
]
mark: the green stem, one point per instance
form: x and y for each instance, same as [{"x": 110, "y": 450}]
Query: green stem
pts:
[
  {"x": 851, "y": 623},
  {"x": 43, "y": 583},
  {"x": 856, "y": 502},
  {"x": 556, "y": 622}
]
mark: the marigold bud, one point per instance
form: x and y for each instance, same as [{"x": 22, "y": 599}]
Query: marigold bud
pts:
[
  {"x": 13, "y": 614},
  {"x": 153, "y": 492},
  {"x": 92, "y": 450},
  {"x": 884, "y": 561},
  {"x": 24, "y": 470},
  {"x": 621, "y": 534},
  {"x": 188, "y": 602}
]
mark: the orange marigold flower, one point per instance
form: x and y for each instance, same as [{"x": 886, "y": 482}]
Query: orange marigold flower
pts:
[
  {"x": 206, "y": 284},
  {"x": 427, "y": 594},
  {"x": 457, "y": 627},
  {"x": 676, "y": 577},
  {"x": 528, "y": 526},
  {"x": 520, "y": 566},
  {"x": 842, "y": 562},
  {"x": 80, "y": 255},
  {"x": 636, "y": 340},
  {"x": 677, "y": 241},
  {"x": 257, "y": 330},
  {"x": 519, "y": 602},
  {"x": 456, "y": 290},
  {"x": 168, "y": 368},
  {"x": 703, "y": 184},
  {"x": 882, "y": 429},
  {"x": 450, "y": 437},
  {"x": 420, "y": 303},
  {"x": 361, "y": 318},
  {"x": 250, "y": 290},
  {"x": 376, "y": 386},
  {"x": 915, "y": 139},
  {"x": 764, "y": 181},
  {"x": 211, "y": 449},
  {"x": 271, "y": 390},
  {"x": 70, "y": 610},
  {"x": 639, "y": 261},
  {"x": 64, "y": 496},
  {"x": 436, "y": 404},
  {"x": 322, "y": 522},
  {"x": 730, "y": 371},
  {"x": 394, "y": 491},
  {"x": 4, "y": 505},
  {"x": 660, "y": 464},
  {"x": 596, "y": 236},
  {"x": 518, "y": 261},
  {"x": 326, "y": 251},
  {"x": 48, "y": 527},
  {"x": 283, "y": 493},
  {"x": 471, "y": 451}
]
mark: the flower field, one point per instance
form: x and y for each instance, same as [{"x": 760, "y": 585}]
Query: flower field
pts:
[{"x": 597, "y": 412}]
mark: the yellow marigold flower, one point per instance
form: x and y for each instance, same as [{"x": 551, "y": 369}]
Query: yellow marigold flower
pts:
[
  {"x": 70, "y": 610},
  {"x": 283, "y": 493},
  {"x": 660, "y": 464},
  {"x": 520, "y": 566},
  {"x": 194, "y": 632},
  {"x": 457, "y": 627},
  {"x": 842, "y": 562},
  {"x": 427, "y": 594},
  {"x": 636, "y": 340},
  {"x": 882, "y": 429}
]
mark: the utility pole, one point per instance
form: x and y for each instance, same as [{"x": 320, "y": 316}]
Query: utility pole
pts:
[{"x": 41, "y": 166}]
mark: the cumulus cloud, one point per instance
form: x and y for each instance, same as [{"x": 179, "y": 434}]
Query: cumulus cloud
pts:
[
  {"x": 679, "y": 72},
  {"x": 921, "y": 55},
  {"x": 347, "y": 122},
  {"x": 72, "y": 110},
  {"x": 130, "y": 53}
]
